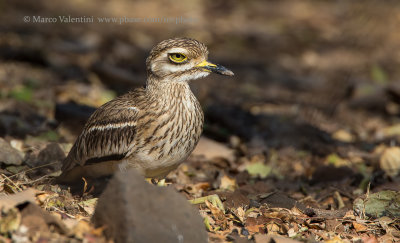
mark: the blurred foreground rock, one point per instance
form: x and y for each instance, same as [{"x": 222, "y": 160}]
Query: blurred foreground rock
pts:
[
  {"x": 135, "y": 211},
  {"x": 271, "y": 238}
]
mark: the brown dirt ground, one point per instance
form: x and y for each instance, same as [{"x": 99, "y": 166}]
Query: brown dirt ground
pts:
[{"x": 305, "y": 127}]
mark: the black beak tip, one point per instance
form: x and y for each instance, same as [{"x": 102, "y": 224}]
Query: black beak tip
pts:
[
  {"x": 223, "y": 70},
  {"x": 228, "y": 72}
]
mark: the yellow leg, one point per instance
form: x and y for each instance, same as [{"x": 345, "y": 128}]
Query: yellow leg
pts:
[
  {"x": 156, "y": 182},
  {"x": 161, "y": 183}
]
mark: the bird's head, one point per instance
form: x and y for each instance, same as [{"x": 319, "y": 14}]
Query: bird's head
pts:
[{"x": 181, "y": 60}]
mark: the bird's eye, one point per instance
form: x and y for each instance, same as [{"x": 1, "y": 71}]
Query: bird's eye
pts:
[{"x": 177, "y": 57}]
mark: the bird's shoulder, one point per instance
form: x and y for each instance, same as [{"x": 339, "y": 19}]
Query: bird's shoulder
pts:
[{"x": 122, "y": 109}]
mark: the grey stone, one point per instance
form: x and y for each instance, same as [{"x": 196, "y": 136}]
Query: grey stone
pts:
[
  {"x": 48, "y": 160},
  {"x": 135, "y": 211},
  {"x": 50, "y": 154},
  {"x": 8, "y": 154}
]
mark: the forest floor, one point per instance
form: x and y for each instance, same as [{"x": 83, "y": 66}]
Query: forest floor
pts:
[{"x": 302, "y": 143}]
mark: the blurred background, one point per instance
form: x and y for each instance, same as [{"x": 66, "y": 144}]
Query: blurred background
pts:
[
  {"x": 312, "y": 111},
  {"x": 312, "y": 78}
]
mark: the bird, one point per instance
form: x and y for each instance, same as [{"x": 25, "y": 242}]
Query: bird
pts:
[{"x": 152, "y": 129}]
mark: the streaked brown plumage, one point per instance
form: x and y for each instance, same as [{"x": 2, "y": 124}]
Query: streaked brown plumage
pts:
[{"x": 152, "y": 129}]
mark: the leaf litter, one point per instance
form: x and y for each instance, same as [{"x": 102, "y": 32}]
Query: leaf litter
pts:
[{"x": 294, "y": 159}]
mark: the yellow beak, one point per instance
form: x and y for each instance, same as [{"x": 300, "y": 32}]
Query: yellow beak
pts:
[{"x": 215, "y": 68}]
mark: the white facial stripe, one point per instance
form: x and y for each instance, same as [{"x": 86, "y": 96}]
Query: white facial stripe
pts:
[
  {"x": 188, "y": 77},
  {"x": 167, "y": 68},
  {"x": 172, "y": 68},
  {"x": 112, "y": 126}
]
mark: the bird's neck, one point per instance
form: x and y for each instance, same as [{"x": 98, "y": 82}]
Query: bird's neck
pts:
[{"x": 167, "y": 89}]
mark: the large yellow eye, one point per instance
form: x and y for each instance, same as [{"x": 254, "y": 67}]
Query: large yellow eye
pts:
[{"x": 177, "y": 57}]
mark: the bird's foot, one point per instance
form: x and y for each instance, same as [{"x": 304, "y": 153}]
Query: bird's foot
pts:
[
  {"x": 161, "y": 183},
  {"x": 153, "y": 181}
]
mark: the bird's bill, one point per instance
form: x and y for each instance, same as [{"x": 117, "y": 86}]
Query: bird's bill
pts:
[{"x": 215, "y": 68}]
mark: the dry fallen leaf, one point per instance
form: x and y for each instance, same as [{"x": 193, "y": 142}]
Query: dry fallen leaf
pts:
[
  {"x": 98, "y": 231},
  {"x": 89, "y": 205},
  {"x": 273, "y": 228},
  {"x": 343, "y": 136},
  {"x": 215, "y": 211},
  {"x": 258, "y": 169},
  {"x": 359, "y": 227},
  {"x": 349, "y": 215},
  {"x": 292, "y": 232},
  {"x": 385, "y": 222},
  {"x": 228, "y": 183},
  {"x": 258, "y": 228},
  {"x": 391, "y": 130},
  {"x": 81, "y": 228},
  {"x": 240, "y": 214},
  {"x": 197, "y": 189},
  {"x": 336, "y": 160},
  {"x": 220, "y": 220},
  {"x": 390, "y": 161},
  {"x": 41, "y": 198},
  {"x": 211, "y": 149}
]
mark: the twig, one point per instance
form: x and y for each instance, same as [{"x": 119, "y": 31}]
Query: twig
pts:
[
  {"x": 8, "y": 179},
  {"x": 33, "y": 181},
  {"x": 59, "y": 210},
  {"x": 339, "y": 199},
  {"x": 343, "y": 192},
  {"x": 34, "y": 168}
]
